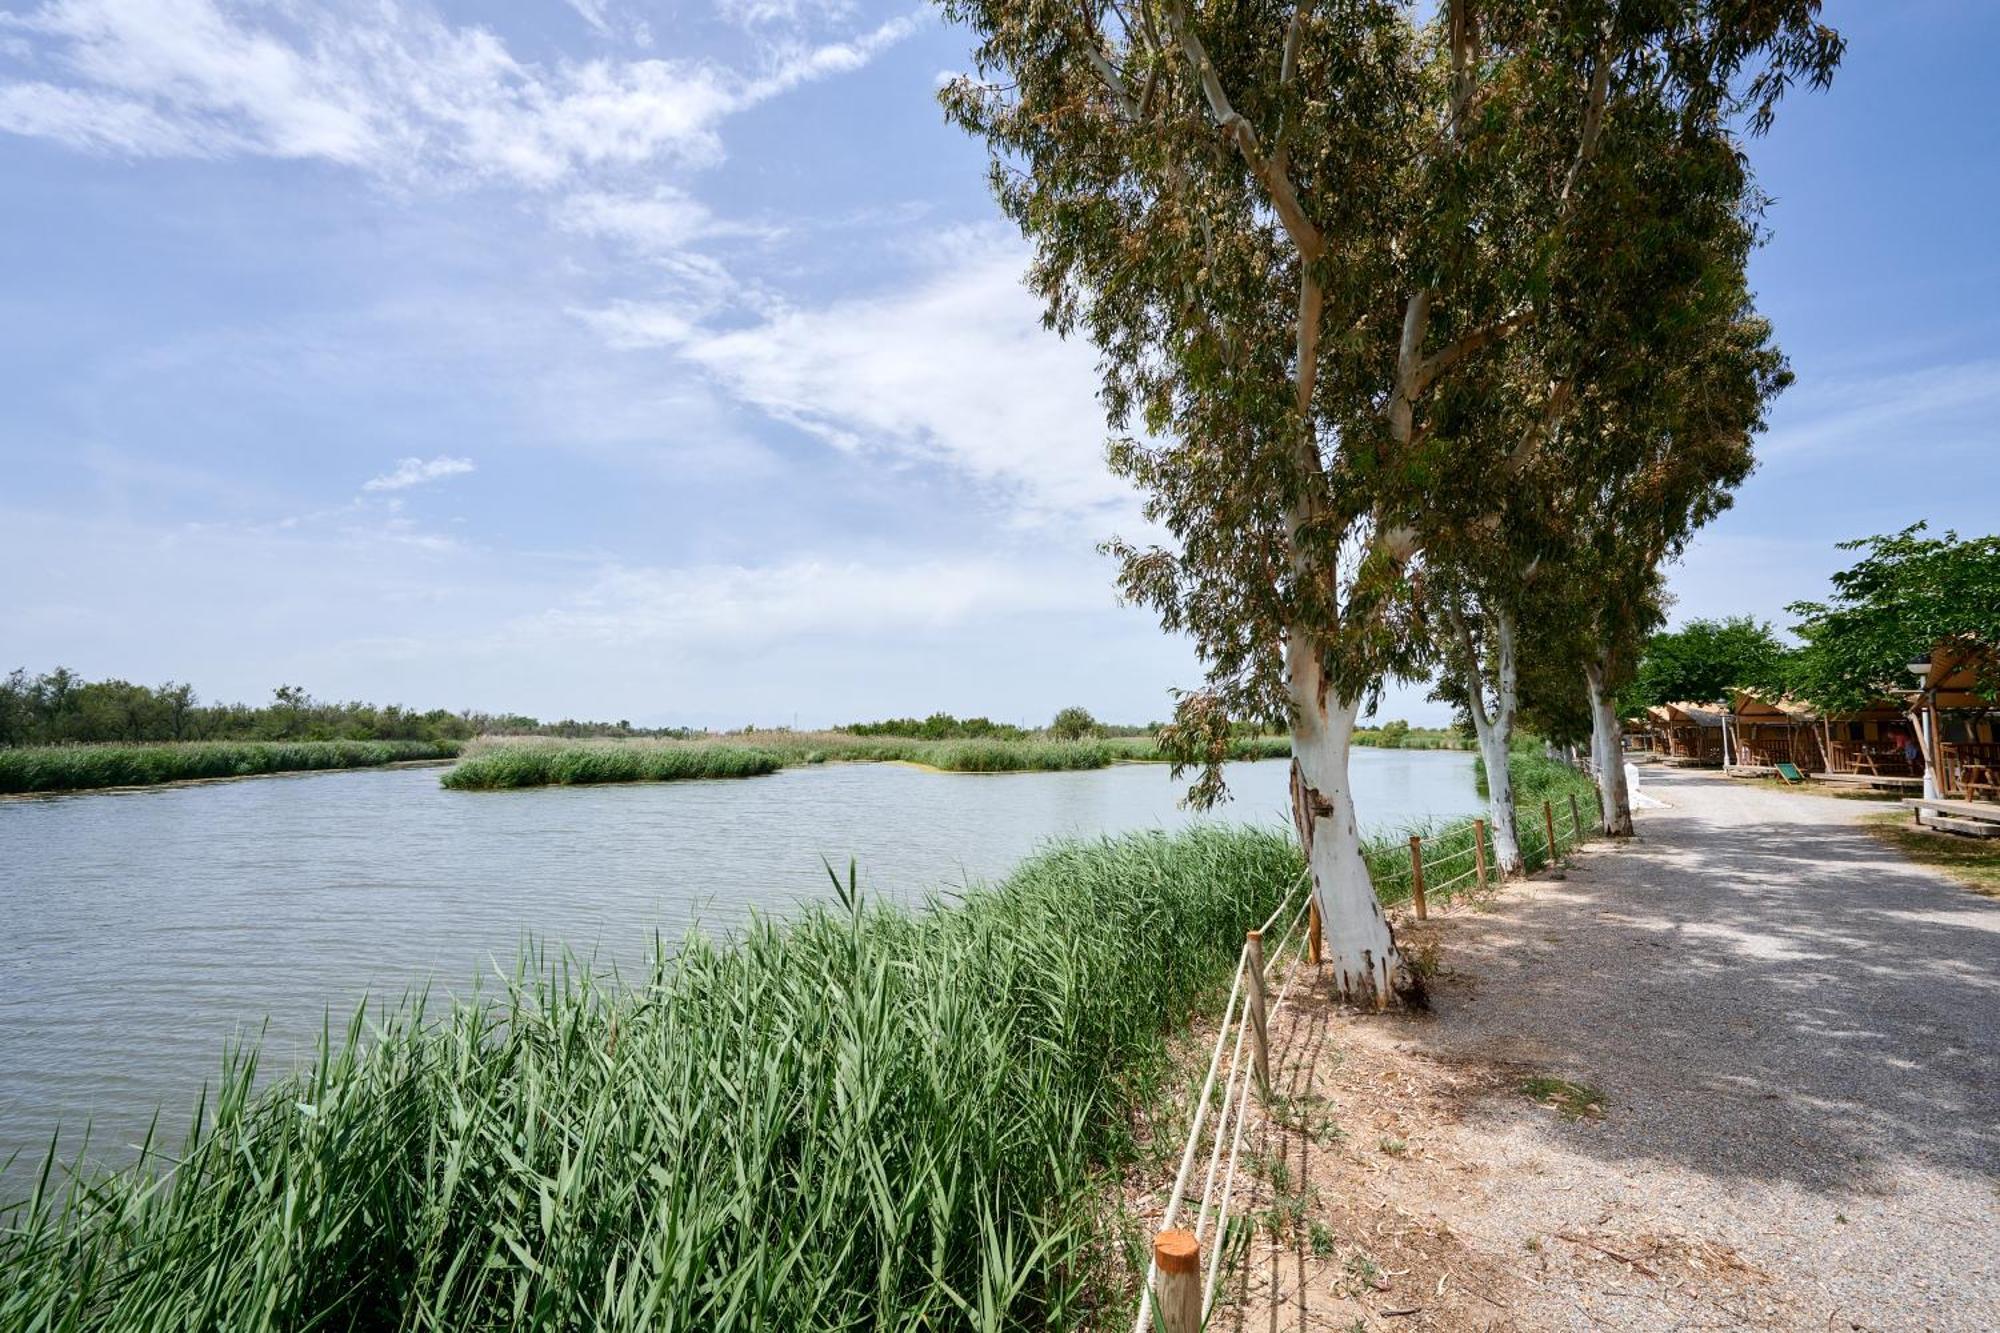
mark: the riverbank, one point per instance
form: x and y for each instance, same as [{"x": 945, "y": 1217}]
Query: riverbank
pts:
[
  {"x": 60, "y": 768},
  {"x": 497, "y": 763},
  {"x": 860, "y": 1112}
]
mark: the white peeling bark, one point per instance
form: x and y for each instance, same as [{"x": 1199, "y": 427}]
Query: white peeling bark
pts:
[
  {"x": 1608, "y": 750},
  {"x": 1359, "y": 946},
  {"x": 1495, "y": 730}
]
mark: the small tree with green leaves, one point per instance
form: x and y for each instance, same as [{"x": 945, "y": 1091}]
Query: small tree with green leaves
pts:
[
  {"x": 1907, "y": 595},
  {"x": 1074, "y": 724},
  {"x": 1705, "y": 659}
]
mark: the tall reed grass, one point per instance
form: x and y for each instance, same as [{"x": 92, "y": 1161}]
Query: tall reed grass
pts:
[
  {"x": 862, "y": 1118},
  {"x": 605, "y": 761},
  {"x": 80, "y": 767},
  {"x": 495, "y": 764}
]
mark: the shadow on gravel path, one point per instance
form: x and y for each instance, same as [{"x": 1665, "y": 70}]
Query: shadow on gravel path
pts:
[{"x": 1799, "y": 1036}]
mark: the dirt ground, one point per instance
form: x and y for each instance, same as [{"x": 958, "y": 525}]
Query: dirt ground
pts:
[{"x": 1741, "y": 1073}]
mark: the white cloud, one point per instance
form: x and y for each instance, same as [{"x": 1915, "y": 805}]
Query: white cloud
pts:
[
  {"x": 389, "y": 88},
  {"x": 1941, "y": 405},
  {"x": 663, "y": 221},
  {"x": 592, "y": 13},
  {"x": 956, "y": 369},
  {"x": 418, "y": 472},
  {"x": 707, "y": 606}
]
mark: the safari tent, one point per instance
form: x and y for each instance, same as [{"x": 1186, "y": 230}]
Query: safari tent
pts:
[
  {"x": 1689, "y": 734},
  {"x": 1762, "y": 731},
  {"x": 1866, "y": 741},
  {"x": 1956, "y": 713}
]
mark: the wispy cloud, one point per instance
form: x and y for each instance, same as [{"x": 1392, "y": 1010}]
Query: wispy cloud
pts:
[
  {"x": 661, "y": 222},
  {"x": 954, "y": 369},
  {"x": 390, "y": 88},
  {"x": 712, "y": 605},
  {"x": 418, "y": 472},
  {"x": 1939, "y": 405}
]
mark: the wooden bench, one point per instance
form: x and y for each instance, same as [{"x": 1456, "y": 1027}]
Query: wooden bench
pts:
[{"x": 1975, "y": 819}]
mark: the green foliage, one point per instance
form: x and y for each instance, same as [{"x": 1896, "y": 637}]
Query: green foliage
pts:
[
  {"x": 60, "y": 708},
  {"x": 938, "y": 727},
  {"x": 1074, "y": 724},
  {"x": 578, "y": 765},
  {"x": 1704, "y": 659},
  {"x": 1907, "y": 595},
  {"x": 81, "y": 767},
  {"x": 1300, "y": 239},
  {"x": 862, "y": 1118},
  {"x": 535, "y": 763}
]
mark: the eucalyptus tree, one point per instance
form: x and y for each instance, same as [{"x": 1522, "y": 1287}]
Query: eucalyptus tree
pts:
[{"x": 1288, "y": 229}]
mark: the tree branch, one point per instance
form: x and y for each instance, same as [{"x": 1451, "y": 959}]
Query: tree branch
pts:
[
  {"x": 1524, "y": 452},
  {"x": 1305, "y": 236},
  {"x": 1428, "y": 371},
  {"x": 1593, "y": 118}
]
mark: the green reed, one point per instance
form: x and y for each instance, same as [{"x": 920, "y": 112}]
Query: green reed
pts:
[
  {"x": 611, "y": 761},
  {"x": 864, "y": 1117},
  {"x": 80, "y": 767}
]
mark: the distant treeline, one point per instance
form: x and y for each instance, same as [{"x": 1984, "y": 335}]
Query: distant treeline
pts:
[
  {"x": 62, "y": 708},
  {"x": 1069, "y": 724}
]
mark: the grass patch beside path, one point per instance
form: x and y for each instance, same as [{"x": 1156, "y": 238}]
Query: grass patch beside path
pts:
[
  {"x": 83, "y": 767},
  {"x": 1973, "y": 862},
  {"x": 861, "y": 1117}
]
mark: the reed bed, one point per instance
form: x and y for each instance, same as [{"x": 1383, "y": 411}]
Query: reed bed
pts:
[
  {"x": 611, "y": 761},
  {"x": 493, "y": 763},
  {"x": 863, "y": 1117},
  {"x": 81, "y": 767}
]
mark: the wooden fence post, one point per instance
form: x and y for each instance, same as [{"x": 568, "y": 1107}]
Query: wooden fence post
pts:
[
  {"x": 1314, "y": 944},
  {"x": 1575, "y": 822},
  {"x": 1479, "y": 849},
  {"x": 1549, "y": 824},
  {"x": 1177, "y": 1299},
  {"x": 1417, "y": 878},
  {"x": 1260, "y": 1051}
]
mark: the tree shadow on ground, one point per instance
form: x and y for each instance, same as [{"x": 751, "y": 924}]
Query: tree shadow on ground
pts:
[{"x": 1779, "y": 1003}]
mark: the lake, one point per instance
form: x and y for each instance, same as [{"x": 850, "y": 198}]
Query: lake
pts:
[{"x": 144, "y": 929}]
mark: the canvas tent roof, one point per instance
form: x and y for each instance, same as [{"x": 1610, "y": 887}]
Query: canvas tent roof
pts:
[
  {"x": 1955, "y": 672},
  {"x": 1701, "y": 715}
]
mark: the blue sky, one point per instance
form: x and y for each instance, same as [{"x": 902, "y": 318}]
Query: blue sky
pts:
[{"x": 625, "y": 360}]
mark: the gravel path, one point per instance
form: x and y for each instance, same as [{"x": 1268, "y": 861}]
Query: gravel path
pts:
[{"x": 1798, "y": 1034}]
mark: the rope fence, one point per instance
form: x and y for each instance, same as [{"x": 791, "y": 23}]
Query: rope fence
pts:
[{"x": 1180, "y": 1292}]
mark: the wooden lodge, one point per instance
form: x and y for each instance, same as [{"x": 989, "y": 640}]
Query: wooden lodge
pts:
[
  {"x": 1760, "y": 732},
  {"x": 1867, "y": 743},
  {"x": 1957, "y": 720},
  {"x": 1688, "y": 735}
]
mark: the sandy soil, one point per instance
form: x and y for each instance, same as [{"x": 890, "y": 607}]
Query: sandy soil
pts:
[{"x": 1796, "y": 1036}]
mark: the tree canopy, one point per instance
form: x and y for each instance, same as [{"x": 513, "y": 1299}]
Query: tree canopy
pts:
[
  {"x": 1908, "y": 594},
  {"x": 1704, "y": 659}
]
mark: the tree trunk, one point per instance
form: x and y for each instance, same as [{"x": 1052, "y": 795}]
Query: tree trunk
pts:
[
  {"x": 1607, "y": 745},
  {"x": 1357, "y": 940},
  {"x": 1495, "y": 731}
]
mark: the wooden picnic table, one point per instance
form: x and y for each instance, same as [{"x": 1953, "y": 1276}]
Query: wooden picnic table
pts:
[
  {"x": 1881, "y": 763},
  {"x": 1979, "y": 778}
]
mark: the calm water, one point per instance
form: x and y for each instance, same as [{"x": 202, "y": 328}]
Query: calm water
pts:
[{"x": 145, "y": 929}]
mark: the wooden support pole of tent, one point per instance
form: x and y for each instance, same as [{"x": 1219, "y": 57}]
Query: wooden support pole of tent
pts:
[
  {"x": 1417, "y": 878},
  {"x": 1479, "y": 849},
  {"x": 1177, "y": 1298},
  {"x": 1260, "y": 1050}
]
